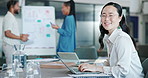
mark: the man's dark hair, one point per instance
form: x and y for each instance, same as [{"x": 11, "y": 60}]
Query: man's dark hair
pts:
[{"x": 11, "y": 3}]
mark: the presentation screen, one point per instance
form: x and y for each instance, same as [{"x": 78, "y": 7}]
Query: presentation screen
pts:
[{"x": 37, "y": 22}]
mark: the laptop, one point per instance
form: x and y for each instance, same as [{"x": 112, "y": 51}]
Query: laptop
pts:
[
  {"x": 69, "y": 57},
  {"x": 73, "y": 70}
]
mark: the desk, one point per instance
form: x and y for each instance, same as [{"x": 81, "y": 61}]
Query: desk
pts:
[{"x": 50, "y": 73}]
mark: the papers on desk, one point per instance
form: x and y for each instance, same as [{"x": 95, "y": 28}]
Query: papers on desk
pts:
[
  {"x": 56, "y": 65},
  {"x": 101, "y": 75},
  {"x": 83, "y": 60},
  {"x": 44, "y": 60},
  {"x": 101, "y": 59}
]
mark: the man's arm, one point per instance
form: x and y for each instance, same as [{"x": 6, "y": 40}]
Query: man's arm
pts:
[
  {"x": 22, "y": 37},
  {"x": 11, "y": 35}
]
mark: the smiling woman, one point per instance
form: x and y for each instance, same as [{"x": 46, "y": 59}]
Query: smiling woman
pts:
[
  {"x": 123, "y": 60},
  {"x": 110, "y": 18}
]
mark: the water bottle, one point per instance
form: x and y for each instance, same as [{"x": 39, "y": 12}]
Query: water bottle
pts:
[
  {"x": 18, "y": 60},
  {"x": 20, "y": 55},
  {"x": 22, "y": 58}
]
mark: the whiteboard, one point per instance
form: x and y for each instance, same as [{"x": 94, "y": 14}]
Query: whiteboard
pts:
[
  {"x": 145, "y": 5},
  {"x": 36, "y": 22}
]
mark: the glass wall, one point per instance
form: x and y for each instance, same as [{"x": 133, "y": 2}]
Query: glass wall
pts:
[
  {"x": 87, "y": 16},
  {"x": 85, "y": 24}
]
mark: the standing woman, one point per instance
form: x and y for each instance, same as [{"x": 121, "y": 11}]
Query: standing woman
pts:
[
  {"x": 123, "y": 60},
  {"x": 67, "y": 41}
]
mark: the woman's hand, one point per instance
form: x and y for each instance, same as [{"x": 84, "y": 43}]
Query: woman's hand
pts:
[
  {"x": 55, "y": 27},
  {"x": 90, "y": 67}
]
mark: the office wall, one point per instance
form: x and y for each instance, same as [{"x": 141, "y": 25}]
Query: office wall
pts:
[
  {"x": 92, "y": 19},
  {"x": 145, "y": 5},
  {"x": 1, "y": 18}
]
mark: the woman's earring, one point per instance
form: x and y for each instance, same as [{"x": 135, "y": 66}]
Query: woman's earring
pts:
[{"x": 119, "y": 27}]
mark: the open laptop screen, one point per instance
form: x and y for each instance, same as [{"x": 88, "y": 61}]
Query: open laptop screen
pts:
[{"x": 69, "y": 57}]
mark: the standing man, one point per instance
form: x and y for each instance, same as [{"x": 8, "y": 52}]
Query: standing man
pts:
[{"x": 11, "y": 33}]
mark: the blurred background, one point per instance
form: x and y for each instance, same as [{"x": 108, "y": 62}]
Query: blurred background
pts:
[{"x": 88, "y": 21}]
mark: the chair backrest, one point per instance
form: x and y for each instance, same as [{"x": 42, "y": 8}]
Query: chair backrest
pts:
[
  {"x": 145, "y": 66},
  {"x": 146, "y": 76},
  {"x": 142, "y": 51},
  {"x": 87, "y": 53}
]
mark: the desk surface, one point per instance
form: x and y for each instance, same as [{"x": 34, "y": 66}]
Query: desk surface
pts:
[{"x": 50, "y": 73}]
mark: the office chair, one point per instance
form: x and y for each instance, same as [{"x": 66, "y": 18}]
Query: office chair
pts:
[
  {"x": 145, "y": 67},
  {"x": 146, "y": 76},
  {"x": 142, "y": 51}
]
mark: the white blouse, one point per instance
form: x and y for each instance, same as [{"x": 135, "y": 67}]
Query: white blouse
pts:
[{"x": 123, "y": 58}]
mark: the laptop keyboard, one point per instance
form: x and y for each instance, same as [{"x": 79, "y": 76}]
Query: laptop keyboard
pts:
[{"x": 79, "y": 72}]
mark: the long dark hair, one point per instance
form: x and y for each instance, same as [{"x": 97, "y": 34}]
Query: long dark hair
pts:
[
  {"x": 11, "y": 3},
  {"x": 71, "y": 3},
  {"x": 122, "y": 24}
]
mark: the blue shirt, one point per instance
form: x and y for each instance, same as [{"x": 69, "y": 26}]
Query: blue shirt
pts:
[{"x": 67, "y": 41}]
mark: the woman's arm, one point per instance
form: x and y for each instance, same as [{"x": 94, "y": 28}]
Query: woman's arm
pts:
[{"x": 69, "y": 26}]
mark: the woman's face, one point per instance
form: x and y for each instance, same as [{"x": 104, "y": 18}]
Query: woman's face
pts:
[
  {"x": 110, "y": 18},
  {"x": 65, "y": 9}
]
